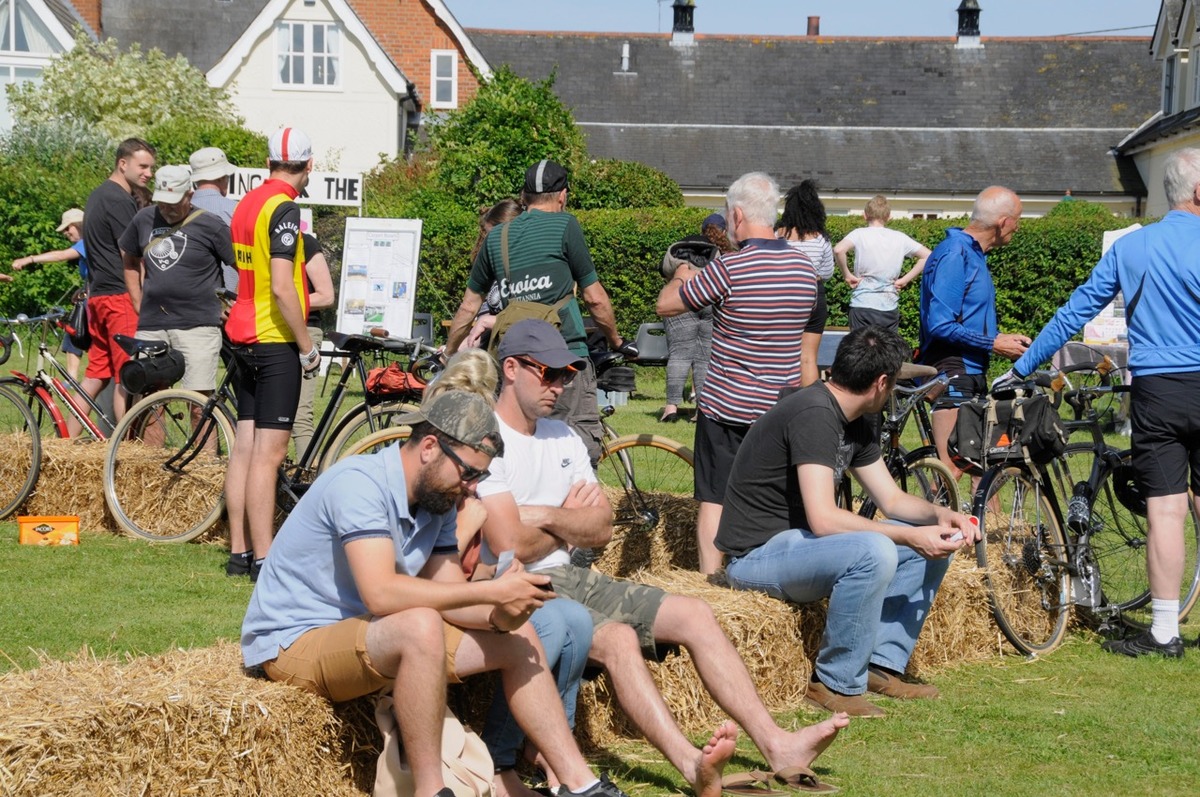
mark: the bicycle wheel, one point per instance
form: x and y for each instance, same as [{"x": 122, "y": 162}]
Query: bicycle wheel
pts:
[
  {"x": 46, "y": 414},
  {"x": 1117, "y": 534},
  {"x": 924, "y": 475},
  {"x": 376, "y": 441},
  {"x": 1111, "y": 409},
  {"x": 357, "y": 424},
  {"x": 1023, "y": 554},
  {"x": 19, "y": 468},
  {"x": 649, "y": 480},
  {"x": 163, "y": 482}
]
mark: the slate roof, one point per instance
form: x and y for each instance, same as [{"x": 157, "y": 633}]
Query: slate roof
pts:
[
  {"x": 66, "y": 14},
  {"x": 877, "y": 114},
  {"x": 199, "y": 30}
]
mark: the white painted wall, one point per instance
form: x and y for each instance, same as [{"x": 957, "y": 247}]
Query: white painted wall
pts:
[{"x": 349, "y": 126}]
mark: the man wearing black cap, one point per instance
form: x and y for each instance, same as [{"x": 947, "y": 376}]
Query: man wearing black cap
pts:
[
  {"x": 541, "y": 499},
  {"x": 363, "y": 590},
  {"x": 541, "y": 256}
]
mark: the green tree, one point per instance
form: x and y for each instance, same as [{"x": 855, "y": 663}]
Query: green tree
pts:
[
  {"x": 121, "y": 93},
  {"x": 483, "y": 148},
  {"x": 178, "y": 137}
]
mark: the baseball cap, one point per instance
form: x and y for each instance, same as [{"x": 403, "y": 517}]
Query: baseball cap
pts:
[
  {"x": 463, "y": 416},
  {"x": 713, "y": 219},
  {"x": 540, "y": 341},
  {"x": 69, "y": 217},
  {"x": 209, "y": 163},
  {"x": 171, "y": 183},
  {"x": 288, "y": 144},
  {"x": 545, "y": 177}
]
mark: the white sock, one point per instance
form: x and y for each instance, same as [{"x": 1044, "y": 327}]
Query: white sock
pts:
[
  {"x": 1166, "y": 620},
  {"x": 584, "y": 787}
]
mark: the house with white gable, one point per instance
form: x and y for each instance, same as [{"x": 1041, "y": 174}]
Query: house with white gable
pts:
[{"x": 32, "y": 32}]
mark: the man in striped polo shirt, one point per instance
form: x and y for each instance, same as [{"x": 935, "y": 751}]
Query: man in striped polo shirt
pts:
[{"x": 764, "y": 297}]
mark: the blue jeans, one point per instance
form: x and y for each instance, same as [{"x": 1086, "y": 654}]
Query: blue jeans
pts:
[
  {"x": 565, "y": 630},
  {"x": 879, "y": 596}
]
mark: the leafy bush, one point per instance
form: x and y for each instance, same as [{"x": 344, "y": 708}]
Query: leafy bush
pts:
[
  {"x": 484, "y": 148},
  {"x": 610, "y": 183},
  {"x": 121, "y": 93},
  {"x": 178, "y": 137},
  {"x": 44, "y": 169}
]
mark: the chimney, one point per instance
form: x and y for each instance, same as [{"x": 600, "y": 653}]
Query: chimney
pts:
[
  {"x": 683, "y": 33},
  {"x": 814, "y": 26},
  {"x": 968, "y": 25}
]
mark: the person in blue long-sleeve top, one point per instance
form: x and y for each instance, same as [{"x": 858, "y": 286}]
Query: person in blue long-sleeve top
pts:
[
  {"x": 959, "y": 331},
  {"x": 1158, "y": 270}
]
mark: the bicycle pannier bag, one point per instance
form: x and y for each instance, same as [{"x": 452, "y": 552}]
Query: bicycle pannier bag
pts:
[
  {"x": 147, "y": 373},
  {"x": 992, "y": 430},
  {"x": 76, "y": 323},
  {"x": 466, "y": 765}
]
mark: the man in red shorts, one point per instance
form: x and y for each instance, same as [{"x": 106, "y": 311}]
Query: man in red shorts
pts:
[
  {"x": 108, "y": 212},
  {"x": 271, "y": 343}
]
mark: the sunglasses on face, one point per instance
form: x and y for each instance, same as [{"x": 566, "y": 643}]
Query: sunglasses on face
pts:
[
  {"x": 467, "y": 473},
  {"x": 550, "y": 375}
]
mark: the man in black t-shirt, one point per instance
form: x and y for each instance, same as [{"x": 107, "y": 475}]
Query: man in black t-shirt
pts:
[
  {"x": 108, "y": 212},
  {"x": 784, "y": 534},
  {"x": 173, "y": 255}
]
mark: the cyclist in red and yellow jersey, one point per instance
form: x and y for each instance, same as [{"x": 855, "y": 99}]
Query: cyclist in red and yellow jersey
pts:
[{"x": 271, "y": 342}]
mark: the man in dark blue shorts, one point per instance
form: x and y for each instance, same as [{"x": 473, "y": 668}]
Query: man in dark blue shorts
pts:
[
  {"x": 959, "y": 330},
  {"x": 1158, "y": 271}
]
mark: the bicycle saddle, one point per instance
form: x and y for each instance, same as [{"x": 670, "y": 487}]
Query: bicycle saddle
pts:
[
  {"x": 135, "y": 346},
  {"x": 354, "y": 343}
]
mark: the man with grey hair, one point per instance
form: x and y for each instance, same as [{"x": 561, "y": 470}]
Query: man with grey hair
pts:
[
  {"x": 1158, "y": 270},
  {"x": 764, "y": 298},
  {"x": 959, "y": 330}
]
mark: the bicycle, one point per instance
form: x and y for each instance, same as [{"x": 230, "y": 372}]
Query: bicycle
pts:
[
  {"x": 46, "y": 392},
  {"x": 171, "y": 449},
  {"x": 21, "y": 466},
  {"x": 1039, "y": 562}
]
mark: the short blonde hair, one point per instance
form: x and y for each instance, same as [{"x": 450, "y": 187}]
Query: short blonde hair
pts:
[
  {"x": 472, "y": 370},
  {"x": 878, "y": 208}
]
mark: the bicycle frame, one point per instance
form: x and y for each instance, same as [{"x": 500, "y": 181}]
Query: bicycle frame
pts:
[{"x": 48, "y": 391}]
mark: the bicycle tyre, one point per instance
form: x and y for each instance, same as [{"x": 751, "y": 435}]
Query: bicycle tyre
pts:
[
  {"x": 47, "y": 416},
  {"x": 653, "y": 475},
  {"x": 376, "y": 441},
  {"x": 1119, "y": 546},
  {"x": 1108, "y": 408},
  {"x": 922, "y": 475},
  {"x": 23, "y": 443},
  {"x": 146, "y": 499},
  {"x": 357, "y": 424},
  {"x": 1023, "y": 554}
]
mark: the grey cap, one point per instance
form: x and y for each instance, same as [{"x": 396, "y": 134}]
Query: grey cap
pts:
[
  {"x": 464, "y": 416},
  {"x": 540, "y": 341}
]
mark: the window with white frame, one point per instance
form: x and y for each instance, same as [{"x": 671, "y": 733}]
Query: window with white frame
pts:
[
  {"x": 308, "y": 55},
  {"x": 26, "y": 45},
  {"x": 443, "y": 69}
]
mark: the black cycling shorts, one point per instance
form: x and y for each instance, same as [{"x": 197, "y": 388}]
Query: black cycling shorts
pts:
[
  {"x": 268, "y": 384},
  {"x": 1166, "y": 432}
]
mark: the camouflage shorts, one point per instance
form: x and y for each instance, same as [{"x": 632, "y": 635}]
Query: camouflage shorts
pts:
[{"x": 611, "y": 600}]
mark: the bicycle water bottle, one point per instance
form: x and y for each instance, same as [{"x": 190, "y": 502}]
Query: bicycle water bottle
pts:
[{"x": 1078, "y": 514}]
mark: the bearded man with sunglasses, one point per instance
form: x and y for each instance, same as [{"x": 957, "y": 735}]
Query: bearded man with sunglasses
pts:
[
  {"x": 541, "y": 500},
  {"x": 363, "y": 590}
]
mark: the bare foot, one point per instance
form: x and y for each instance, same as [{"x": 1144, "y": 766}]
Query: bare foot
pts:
[
  {"x": 803, "y": 746},
  {"x": 713, "y": 758},
  {"x": 509, "y": 784}
]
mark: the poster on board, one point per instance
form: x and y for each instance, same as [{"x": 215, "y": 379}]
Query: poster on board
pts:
[{"x": 379, "y": 275}]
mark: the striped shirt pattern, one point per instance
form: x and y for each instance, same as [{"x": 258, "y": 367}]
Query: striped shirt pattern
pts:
[{"x": 762, "y": 296}]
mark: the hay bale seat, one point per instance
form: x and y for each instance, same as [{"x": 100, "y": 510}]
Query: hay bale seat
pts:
[{"x": 190, "y": 722}]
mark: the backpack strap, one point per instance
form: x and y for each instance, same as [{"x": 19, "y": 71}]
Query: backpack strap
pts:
[{"x": 504, "y": 250}]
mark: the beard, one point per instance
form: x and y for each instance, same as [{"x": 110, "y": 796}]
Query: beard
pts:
[{"x": 436, "y": 500}]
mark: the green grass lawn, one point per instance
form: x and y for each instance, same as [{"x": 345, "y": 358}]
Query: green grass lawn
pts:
[{"x": 1076, "y": 722}]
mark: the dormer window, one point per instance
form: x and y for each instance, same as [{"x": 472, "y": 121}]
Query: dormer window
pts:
[{"x": 308, "y": 55}]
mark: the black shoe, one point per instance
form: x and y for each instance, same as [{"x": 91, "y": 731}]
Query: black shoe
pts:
[
  {"x": 605, "y": 788},
  {"x": 239, "y": 565},
  {"x": 1144, "y": 644},
  {"x": 255, "y": 569},
  {"x": 670, "y": 417}
]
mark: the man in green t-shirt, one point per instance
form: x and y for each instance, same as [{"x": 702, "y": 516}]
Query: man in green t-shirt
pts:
[{"x": 546, "y": 260}]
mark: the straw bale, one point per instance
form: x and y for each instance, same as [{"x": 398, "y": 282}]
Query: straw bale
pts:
[
  {"x": 670, "y": 544},
  {"x": 182, "y": 723},
  {"x": 71, "y": 483}
]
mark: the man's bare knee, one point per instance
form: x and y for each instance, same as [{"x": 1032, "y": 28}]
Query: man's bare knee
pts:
[
  {"x": 613, "y": 642},
  {"x": 414, "y": 633}
]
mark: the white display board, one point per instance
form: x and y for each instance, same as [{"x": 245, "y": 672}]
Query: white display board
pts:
[
  {"x": 1109, "y": 326},
  {"x": 379, "y": 275}
]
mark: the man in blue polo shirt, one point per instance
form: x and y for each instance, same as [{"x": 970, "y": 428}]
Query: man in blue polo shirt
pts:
[
  {"x": 1158, "y": 270},
  {"x": 959, "y": 331}
]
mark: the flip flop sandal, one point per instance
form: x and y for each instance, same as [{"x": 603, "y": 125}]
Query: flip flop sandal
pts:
[
  {"x": 748, "y": 784},
  {"x": 797, "y": 778}
]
